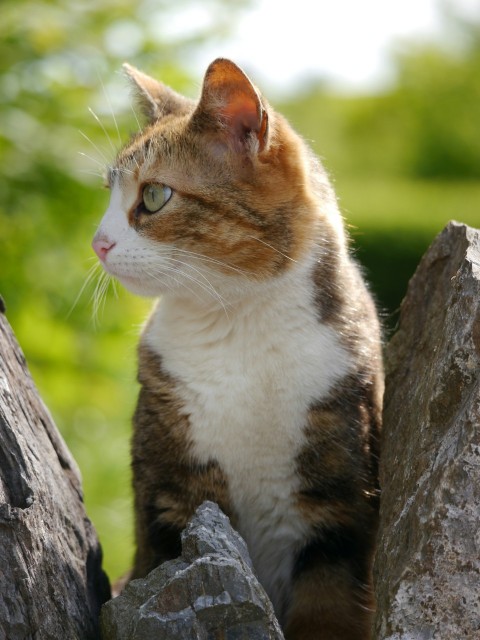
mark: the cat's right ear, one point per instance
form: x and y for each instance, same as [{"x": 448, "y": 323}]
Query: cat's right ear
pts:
[
  {"x": 232, "y": 108},
  {"x": 155, "y": 99}
]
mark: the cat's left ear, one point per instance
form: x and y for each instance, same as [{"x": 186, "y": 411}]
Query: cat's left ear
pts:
[
  {"x": 232, "y": 106},
  {"x": 155, "y": 99}
]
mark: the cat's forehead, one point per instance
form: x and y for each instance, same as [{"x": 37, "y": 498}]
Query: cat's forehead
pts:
[
  {"x": 147, "y": 146},
  {"x": 145, "y": 152},
  {"x": 166, "y": 151}
]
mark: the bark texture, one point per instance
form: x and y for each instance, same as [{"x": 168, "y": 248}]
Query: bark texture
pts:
[
  {"x": 209, "y": 592},
  {"x": 51, "y": 582},
  {"x": 428, "y": 558}
]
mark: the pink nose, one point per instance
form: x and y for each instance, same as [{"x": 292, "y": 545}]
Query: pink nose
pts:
[{"x": 102, "y": 246}]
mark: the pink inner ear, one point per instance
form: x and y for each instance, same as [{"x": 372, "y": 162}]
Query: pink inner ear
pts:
[
  {"x": 230, "y": 99},
  {"x": 241, "y": 113}
]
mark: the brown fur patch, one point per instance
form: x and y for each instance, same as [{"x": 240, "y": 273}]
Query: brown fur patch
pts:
[
  {"x": 169, "y": 484},
  {"x": 339, "y": 498},
  {"x": 328, "y": 604},
  {"x": 337, "y": 465}
]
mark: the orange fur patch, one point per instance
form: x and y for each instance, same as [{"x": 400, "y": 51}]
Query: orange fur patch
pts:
[{"x": 257, "y": 219}]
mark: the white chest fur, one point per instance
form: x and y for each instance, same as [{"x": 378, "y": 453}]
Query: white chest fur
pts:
[{"x": 246, "y": 379}]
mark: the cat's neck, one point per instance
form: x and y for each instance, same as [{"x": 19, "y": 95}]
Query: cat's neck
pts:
[{"x": 206, "y": 317}]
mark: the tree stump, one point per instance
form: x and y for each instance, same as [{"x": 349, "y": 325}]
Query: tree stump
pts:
[{"x": 51, "y": 581}]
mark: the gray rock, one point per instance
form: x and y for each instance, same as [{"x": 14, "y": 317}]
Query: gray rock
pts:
[
  {"x": 428, "y": 560},
  {"x": 209, "y": 592}
]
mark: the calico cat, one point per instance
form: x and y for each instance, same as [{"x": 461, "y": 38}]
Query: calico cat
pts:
[{"x": 260, "y": 366}]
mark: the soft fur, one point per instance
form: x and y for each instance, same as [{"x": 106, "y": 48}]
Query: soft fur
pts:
[{"x": 260, "y": 367}]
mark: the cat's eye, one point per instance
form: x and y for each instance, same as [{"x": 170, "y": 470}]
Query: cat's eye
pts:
[{"x": 155, "y": 196}]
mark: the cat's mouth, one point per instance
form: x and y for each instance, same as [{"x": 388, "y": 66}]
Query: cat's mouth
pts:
[
  {"x": 136, "y": 283},
  {"x": 127, "y": 279}
]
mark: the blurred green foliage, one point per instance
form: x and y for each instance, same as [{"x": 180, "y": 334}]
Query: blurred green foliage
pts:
[
  {"x": 58, "y": 58},
  {"x": 404, "y": 163}
]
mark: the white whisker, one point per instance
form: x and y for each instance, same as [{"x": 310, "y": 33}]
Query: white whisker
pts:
[
  {"x": 94, "y": 146},
  {"x": 107, "y": 98},
  {"x": 207, "y": 288},
  {"x": 99, "y": 295},
  {"x": 136, "y": 162},
  {"x": 103, "y": 128},
  {"x": 91, "y": 173},
  {"x": 203, "y": 258},
  {"x": 273, "y": 248},
  {"x": 85, "y": 155},
  {"x": 189, "y": 266},
  {"x": 166, "y": 272},
  {"x": 125, "y": 170},
  {"x": 114, "y": 287},
  {"x": 136, "y": 118},
  {"x": 91, "y": 273}
]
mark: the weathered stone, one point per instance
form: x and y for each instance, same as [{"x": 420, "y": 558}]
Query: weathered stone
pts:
[
  {"x": 209, "y": 592},
  {"x": 428, "y": 559},
  {"x": 51, "y": 581}
]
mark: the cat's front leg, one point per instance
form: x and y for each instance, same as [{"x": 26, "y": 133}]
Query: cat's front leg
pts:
[{"x": 163, "y": 510}]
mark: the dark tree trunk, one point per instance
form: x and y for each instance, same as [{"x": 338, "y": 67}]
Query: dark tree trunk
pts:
[{"x": 51, "y": 581}]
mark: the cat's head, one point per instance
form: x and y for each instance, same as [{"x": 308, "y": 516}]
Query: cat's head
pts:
[{"x": 209, "y": 192}]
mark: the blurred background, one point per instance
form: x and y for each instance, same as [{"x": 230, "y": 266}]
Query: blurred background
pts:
[{"x": 388, "y": 94}]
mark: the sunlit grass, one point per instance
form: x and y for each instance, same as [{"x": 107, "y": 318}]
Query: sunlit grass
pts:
[
  {"x": 393, "y": 221},
  {"x": 416, "y": 205}
]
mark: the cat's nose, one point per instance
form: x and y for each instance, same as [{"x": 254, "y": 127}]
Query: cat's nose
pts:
[{"x": 102, "y": 246}]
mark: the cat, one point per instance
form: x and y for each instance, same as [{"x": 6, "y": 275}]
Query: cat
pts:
[{"x": 260, "y": 366}]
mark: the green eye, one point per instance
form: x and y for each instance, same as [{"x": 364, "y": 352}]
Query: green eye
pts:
[{"x": 155, "y": 196}]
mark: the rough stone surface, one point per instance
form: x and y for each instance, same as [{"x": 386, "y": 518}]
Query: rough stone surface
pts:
[
  {"x": 51, "y": 582},
  {"x": 209, "y": 592},
  {"x": 428, "y": 560}
]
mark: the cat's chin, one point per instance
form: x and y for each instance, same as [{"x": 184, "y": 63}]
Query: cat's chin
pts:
[{"x": 139, "y": 288}]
